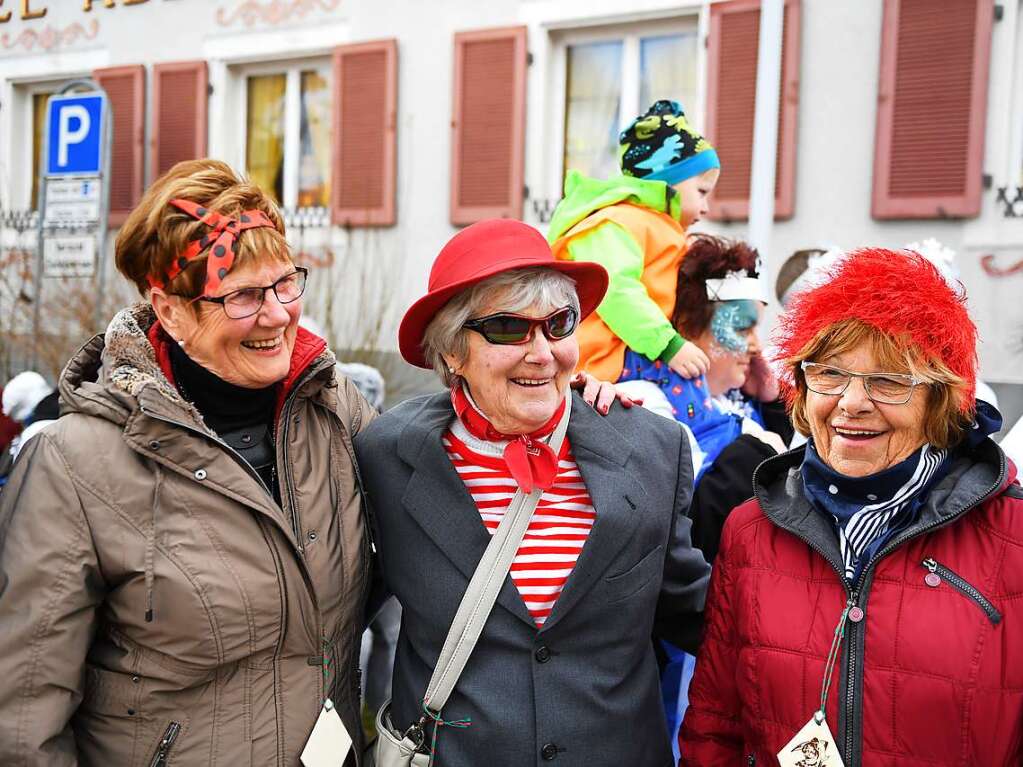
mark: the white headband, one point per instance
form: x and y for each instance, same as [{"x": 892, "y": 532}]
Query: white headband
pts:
[{"x": 736, "y": 286}]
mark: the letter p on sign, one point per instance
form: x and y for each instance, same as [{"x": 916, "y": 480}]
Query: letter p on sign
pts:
[
  {"x": 74, "y": 135},
  {"x": 66, "y": 135}
]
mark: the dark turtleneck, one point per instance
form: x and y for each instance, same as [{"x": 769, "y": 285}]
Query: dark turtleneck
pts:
[{"x": 242, "y": 417}]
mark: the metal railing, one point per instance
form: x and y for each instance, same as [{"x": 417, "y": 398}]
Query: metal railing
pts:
[{"x": 1012, "y": 199}]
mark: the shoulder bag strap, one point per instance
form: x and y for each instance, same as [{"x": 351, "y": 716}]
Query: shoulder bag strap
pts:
[{"x": 485, "y": 584}]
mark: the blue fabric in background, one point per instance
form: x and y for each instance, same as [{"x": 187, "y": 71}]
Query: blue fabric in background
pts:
[
  {"x": 690, "y": 402},
  {"x": 675, "y": 689}
]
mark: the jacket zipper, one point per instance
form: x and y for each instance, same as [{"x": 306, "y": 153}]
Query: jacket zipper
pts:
[
  {"x": 965, "y": 588},
  {"x": 285, "y": 420},
  {"x": 166, "y": 743},
  {"x": 854, "y": 593},
  {"x": 854, "y": 632}
]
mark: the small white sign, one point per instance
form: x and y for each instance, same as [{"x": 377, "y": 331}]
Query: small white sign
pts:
[
  {"x": 72, "y": 200},
  {"x": 329, "y": 742},
  {"x": 69, "y": 256}
]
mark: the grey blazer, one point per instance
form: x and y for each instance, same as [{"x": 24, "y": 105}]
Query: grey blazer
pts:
[{"x": 583, "y": 690}]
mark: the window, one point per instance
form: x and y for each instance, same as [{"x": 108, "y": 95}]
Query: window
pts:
[
  {"x": 614, "y": 74},
  {"x": 288, "y": 132}
]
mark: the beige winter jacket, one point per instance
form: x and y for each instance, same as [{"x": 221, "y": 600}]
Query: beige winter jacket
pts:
[{"x": 129, "y": 500}]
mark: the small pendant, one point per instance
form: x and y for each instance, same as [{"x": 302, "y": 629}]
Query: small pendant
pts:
[
  {"x": 812, "y": 746},
  {"x": 933, "y": 580}
]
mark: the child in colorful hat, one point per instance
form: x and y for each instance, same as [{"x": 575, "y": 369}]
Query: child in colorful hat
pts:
[{"x": 635, "y": 227}]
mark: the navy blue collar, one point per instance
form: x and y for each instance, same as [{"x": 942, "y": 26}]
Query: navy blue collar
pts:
[{"x": 866, "y": 511}]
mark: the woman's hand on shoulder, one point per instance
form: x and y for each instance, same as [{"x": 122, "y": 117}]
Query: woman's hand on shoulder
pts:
[{"x": 601, "y": 394}]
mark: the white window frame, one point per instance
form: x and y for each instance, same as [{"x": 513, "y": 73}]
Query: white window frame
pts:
[
  {"x": 292, "y": 69},
  {"x": 630, "y": 33},
  {"x": 24, "y": 93},
  {"x": 1004, "y": 139},
  {"x": 1014, "y": 22}
]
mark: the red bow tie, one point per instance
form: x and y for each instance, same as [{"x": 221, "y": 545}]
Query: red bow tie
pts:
[{"x": 530, "y": 460}]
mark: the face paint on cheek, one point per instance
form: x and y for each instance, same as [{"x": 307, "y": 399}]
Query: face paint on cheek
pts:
[{"x": 731, "y": 321}]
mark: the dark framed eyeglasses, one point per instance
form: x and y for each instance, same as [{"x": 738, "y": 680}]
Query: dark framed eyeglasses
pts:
[
  {"x": 239, "y": 304},
  {"x": 886, "y": 388},
  {"x": 505, "y": 328}
]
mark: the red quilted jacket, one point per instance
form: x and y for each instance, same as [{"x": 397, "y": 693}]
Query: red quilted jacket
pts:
[{"x": 929, "y": 674}]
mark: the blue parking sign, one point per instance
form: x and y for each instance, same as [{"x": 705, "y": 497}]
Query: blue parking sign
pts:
[{"x": 74, "y": 134}]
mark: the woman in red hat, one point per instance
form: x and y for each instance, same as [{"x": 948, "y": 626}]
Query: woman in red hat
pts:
[
  {"x": 564, "y": 667},
  {"x": 864, "y": 605}
]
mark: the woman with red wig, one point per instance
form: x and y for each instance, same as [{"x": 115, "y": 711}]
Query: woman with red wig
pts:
[{"x": 863, "y": 604}]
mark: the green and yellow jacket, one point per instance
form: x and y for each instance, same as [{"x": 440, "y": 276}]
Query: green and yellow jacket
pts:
[{"x": 631, "y": 227}]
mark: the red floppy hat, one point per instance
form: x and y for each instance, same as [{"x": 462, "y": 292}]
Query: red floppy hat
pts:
[{"x": 480, "y": 251}]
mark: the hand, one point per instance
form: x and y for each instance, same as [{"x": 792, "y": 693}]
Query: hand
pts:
[
  {"x": 601, "y": 394},
  {"x": 761, "y": 383},
  {"x": 689, "y": 361}
]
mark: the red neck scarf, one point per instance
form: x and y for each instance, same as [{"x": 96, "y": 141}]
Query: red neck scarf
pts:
[{"x": 530, "y": 460}]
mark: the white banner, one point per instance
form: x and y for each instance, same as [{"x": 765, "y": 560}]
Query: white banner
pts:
[
  {"x": 994, "y": 282},
  {"x": 69, "y": 255}
]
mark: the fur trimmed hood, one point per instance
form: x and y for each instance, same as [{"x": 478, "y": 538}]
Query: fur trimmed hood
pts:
[{"x": 108, "y": 375}]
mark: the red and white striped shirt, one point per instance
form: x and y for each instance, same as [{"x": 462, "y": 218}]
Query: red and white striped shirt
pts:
[{"x": 559, "y": 525}]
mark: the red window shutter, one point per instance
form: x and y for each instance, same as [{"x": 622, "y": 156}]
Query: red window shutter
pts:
[
  {"x": 126, "y": 91},
  {"x": 365, "y": 133},
  {"x": 733, "y": 44},
  {"x": 488, "y": 125},
  {"x": 179, "y": 114},
  {"x": 932, "y": 102}
]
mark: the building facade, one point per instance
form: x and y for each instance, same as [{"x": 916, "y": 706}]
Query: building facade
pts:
[{"x": 381, "y": 126}]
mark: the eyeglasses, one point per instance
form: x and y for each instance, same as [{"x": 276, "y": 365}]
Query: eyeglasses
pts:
[
  {"x": 886, "y": 388},
  {"x": 239, "y": 304},
  {"x": 505, "y": 328}
]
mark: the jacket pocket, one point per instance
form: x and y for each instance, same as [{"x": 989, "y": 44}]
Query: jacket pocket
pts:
[
  {"x": 628, "y": 583},
  {"x": 938, "y": 573},
  {"x": 164, "y": 746}
]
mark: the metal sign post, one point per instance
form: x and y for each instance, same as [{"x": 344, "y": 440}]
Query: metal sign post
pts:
[{"x": 74, "y": 192}]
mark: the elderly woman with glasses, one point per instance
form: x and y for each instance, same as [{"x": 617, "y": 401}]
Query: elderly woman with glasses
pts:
[
  {"x": 564, "y": 668},
  {"x": 183, "y": 560},
  {"x": 864, "y": 602}
]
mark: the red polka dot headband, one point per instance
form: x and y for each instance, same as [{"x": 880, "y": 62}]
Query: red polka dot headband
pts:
[{"x": 223, "y": 236}]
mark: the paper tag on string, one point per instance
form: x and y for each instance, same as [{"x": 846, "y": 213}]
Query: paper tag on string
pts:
[
  {"x": 329, "y": 742},
  {"x": 812, "y": 746}
]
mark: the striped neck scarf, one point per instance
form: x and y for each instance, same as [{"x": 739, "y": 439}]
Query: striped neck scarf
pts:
[{"x": 867, "y": 511}]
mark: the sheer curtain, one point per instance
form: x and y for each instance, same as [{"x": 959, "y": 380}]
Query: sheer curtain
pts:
[
  {"x": 592, "y": 95},
  {"x": 314, "y": 160},
  {"x": 264, "y": 145},
  {"x": 38, "y": 126},
  {"x": 667, "y": 70}
]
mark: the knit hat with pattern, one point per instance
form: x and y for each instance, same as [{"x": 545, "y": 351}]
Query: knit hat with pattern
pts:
[{"x": 661, "y": 145}]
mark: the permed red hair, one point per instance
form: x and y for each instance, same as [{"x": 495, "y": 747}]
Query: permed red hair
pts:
[
  {"x": 901, "y": 294},
  {"x": 707, "y": 257}
]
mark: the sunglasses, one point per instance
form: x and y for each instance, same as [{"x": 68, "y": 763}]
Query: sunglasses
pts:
[{"x": 505, "y": 328}]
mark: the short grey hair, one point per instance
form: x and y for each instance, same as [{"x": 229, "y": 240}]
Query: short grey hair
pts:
[{"x": 515, "y": 290}]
